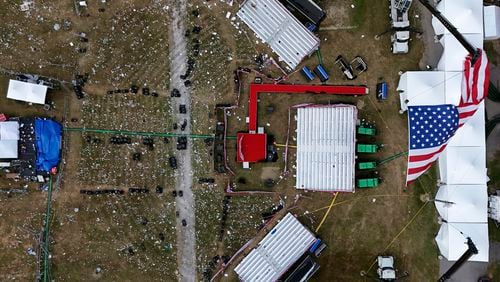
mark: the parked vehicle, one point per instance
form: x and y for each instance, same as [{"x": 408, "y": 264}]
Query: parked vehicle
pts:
[
  {"x": 184, "y": 222},
  {"x": 173, "y": 162},
  {"x": 175, "y": 93},
  {"x": 345, "y": 67},
  {"x": 182, "y": 109},
  {"x": 180, "y": 193}
]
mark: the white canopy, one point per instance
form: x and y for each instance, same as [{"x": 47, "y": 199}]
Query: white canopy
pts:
[
  {"x": 462, "y": 203},
  {"x": 465, "y": 15},
  {"x": 326, "y": 138},
  {"x": 452, "y": 237},
  {"x": 463, "y": 165},
  {"x": 429, "y": 88},
  {"x": 27, "y": 92},
  {"x": 9, "y": 136},
  {"x": 454, "y": 53},
  {"x": 472, "y": 133},
  {"x": 491, "y": 22}
]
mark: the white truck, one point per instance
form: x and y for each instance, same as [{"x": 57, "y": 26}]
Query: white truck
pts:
[{"x": 401, "y": 26}]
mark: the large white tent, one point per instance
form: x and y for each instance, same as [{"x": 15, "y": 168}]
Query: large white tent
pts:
[
  {"x": 452, "y": 237},
  {"x": 454, "y": 53},
  {"x": 462, "y": 203},
  {"x": 463, "y": 165},
  {"x": 326, "y": 138},
  {"x": 27, "y": 92},
  {"x": 472, "y": 133},
  {"x": 9, "y": 138},
  {"x": 427, "y": 88},
  {"x": 465, "y": 15}
]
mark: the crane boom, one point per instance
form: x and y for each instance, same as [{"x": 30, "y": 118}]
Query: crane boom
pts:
[{"x": 474, "y": 52}]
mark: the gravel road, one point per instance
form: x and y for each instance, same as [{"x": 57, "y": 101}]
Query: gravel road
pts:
[{"x": 186, "y": 254}]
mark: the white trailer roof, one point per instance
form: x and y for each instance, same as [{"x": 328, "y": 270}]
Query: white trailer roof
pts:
[
  {"x": 277, "y": 251},
  {"x": 276, "y": 26},
  {"x": 491, "y": 22},
  {"x": 326, "y": 148},
  {"x": 9, "y": 136},
  {"x": 463, "y": 165},
  {"x": 27, "y": 92},
  {"x": 463, "y": 203},
  {"x": 452, "y": 237}
]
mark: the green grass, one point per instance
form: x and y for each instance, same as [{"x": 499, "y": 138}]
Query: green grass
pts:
[{"x": 358, "y": 13}]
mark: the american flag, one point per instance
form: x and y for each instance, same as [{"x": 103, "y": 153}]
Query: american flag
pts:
[{"x": 430, "y": 128}]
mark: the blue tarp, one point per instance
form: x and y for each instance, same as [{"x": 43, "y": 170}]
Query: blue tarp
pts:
[{"x": 48, "y": 143}]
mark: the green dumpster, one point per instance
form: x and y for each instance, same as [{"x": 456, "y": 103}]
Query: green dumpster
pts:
[
  {"x": 367, "y": 183},
  {"x": 367, "y": 148},
  {"x": 370, "y": 131},
  {"x": 367, "y": 165}
]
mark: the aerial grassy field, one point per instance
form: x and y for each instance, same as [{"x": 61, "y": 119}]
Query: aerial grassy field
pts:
[{"x": 361, "y": 225}]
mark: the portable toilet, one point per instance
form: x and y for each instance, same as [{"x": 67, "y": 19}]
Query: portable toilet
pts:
[
  {"x": 321, "y": 73},
  {"x": 382, "y": 91},
  {"x": 307, "y": 73}
]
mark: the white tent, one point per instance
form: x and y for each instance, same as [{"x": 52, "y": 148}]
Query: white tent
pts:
[
  {"x": 454, "y": 53},
  {"x": 326, "y": 138},
  {"x": 462, "y": 203},
  {"x": 472, "y": 133},
  {"x": 491, "y": 22},
  {"x": 429, "y": 88},
  {"x": 9, "y": 136},
  {"x": 465, "y": 15},
  {"x": 27, "y": 92},
  {"x": 463, "y": 165},
  {"x": 452, "y": 237}
]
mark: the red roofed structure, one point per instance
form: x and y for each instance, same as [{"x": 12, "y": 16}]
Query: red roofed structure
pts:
[{"x": 252, "y": 147}]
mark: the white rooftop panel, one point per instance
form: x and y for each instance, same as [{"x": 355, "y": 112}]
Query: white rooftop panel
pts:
[
  {"x": 454, "y": 53},
  {"x": 27, "y": 92},
  {"x": 452, "y": 238},
  {"x": 472, "y": 133},
  {"x": 465, "y": 15},
  {"x": 326, "y": 148},
  {"x": 491, "y": 22},
  {"x": 277, "y": 251},
  {"x": 462, "y": 203},
  {"x": 276, "y": 26},
  {"x": 9, "y": 130},
  {"x": 463, "y": 165}
]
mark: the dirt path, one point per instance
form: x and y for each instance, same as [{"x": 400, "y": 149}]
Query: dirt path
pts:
[{"x": 186, "y": 255}]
